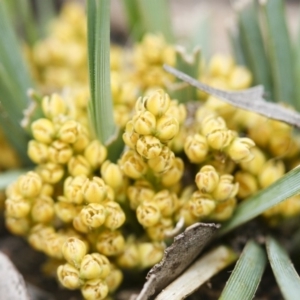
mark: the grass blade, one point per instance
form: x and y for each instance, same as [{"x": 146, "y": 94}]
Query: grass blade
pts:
[
  {"x": 284, "y": 271},
  {"x": 246, "y": 275},
  {"x": 236, "y": 46},
  {"x": 286, "y": 187}
]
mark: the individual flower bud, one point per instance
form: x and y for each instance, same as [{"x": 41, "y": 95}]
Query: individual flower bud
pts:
[
  {"x": 133, "y": 165},
  {"x": 207, "y": 179},
  {"x": 157, "y": 103},
  {"x": 112, "y": 174},
  {"x": 145, "y": 123},
  {"x": 115, "y": 216},
  {"x": 53, "y": 106},
  {"x": 43, "y": 130},
  {"x": 51, "y": 172},
  {"x": 79, "y": 225},
  {"x": 196, "y": 148},
  {"x": 81, "y": 143},
  {"x": 94, "y": 289},
  {"x": 114, "y": 279},
  {"x": 212, "y": 123},
  {"x": 130, "y": 137},
  {"x": 53, "y": 245},
  {"x": 201, "y": 205},
  {"x": 166, "y": 128},
  {"x": 271, "y": 171},
  {"x": 94, "y": 266},
  {"x": 38, "y": 236},
  {"x": 220, "y": 139},
  {"x": 187, "y": 215},
  {"x": 150, "y": 254},
  {"x": 129, "y": 258},
  {"x": 178, "y": 111},
  {"x": 60, "y": 152},
  {"x": 254, "y": 166},
  {"x": 110, "y": 243},
  {"x": 239, "y": 149},
  {"x": 158, "y": 231},
  {"x": 220, "y": 65},
  {"x": 281, "y": 144},
  {"x": 162, "y": 163},
  {"x": 240, "y": 78},
  {"x": 18, "y": 226},
  {"x": 140, "y": 191},
  {"x": 95, "y": 190},
  {"x": 224, "y": 210},
  {"x": 226, "y": 188},
  {"x": 247, "y": 184},
  {"x": 68, "y": 276},
  {"x": 148, "y": 146},
  {"x": 37, "y": 152},
  {"x": 166, "y": 202},
  {"x": 78, "y": 165},
  {"x": 93, "y": 215},
  {"x": 73, "y": 189},
  {"x": 17, "y": 207},
  {"x": 174, "y": 174},
  {"x": 74, "y": 251},
  {"x": 65, "y": 211},
  {"x": 42, "y": 210},
  {"x": 148, "y": 214},
  {"x": 95, "y": 153},
  {"x": 69, "y": 131},
  {"x": 30, "y": 184},
  {"x": 47, "y": 190}
]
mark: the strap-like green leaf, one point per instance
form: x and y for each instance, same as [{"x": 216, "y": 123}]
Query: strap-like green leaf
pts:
[
  {"x": 236, "y": 46},
  {"x": 284, "y": 271},
  {"x": 245, "y": 278},
  {"x": 287, "y": 186}
]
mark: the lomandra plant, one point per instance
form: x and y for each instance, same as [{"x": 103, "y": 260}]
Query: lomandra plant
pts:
[{"x": 127, "y": 163}]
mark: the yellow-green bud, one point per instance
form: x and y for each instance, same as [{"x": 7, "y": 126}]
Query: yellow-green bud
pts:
[
  {"x": 42, "y": 210},
  {"x": 211, "y": 124},
  {"x": 78, "y": 165},
  {"x": 166, "y": 128},
  {"x": 220, "y": 139},
  {"x": 148, "y": 146},
  {"x": 73, "y": 189},
  {"x": 129, "y": 258},
  {"x": 226, "y": 188},
  {"x": 145, "y": 123},
  {"x": 271, "y": 171},
  {"x": 79, "y": 225},
  {"x": 174, "y": 174},
  {"x": 95, "y": 153},
  {"x": 114, "y": 278},
  {"x": 239, "y": 149},
  {"x": 95, "y": 190},
  {"x": 207, "y": 179},
  {"x": 53, "y": 106},
  {"x": 81, "y": 143},
  {"x": 110, "y": 243},
  {"x": 157, "y": 102},
  {"x": 115, "y": 216},
  {"x": 201, "y": 205},
  {"x": 18, "y": 226},
  {"x": 94, "y": 289},
  {"x": 43, "y": 130},
  {"x": 65, "y": 211},
  {"x": 224, "y": 210},
  {"x": 220, "y": 65},
  {"x": 94, "y": 266},
  {"x": 240, "y": 78},
  {"x": 69, "y": 131},
  {"x": 178, "y": 111},
  {"x": 51, "y": 172},
  {"x": 196, "y": 148},
  {"x": 73, "y": 251},
  {"x": 254, "y": 166},
  {"x": 47, "y": 190},
  {"x": 133, "y": 165},
  {"x": 130, "y": 137},
  {"x": 166, "y": 202},
  {"x": 93, "y": 215},
  {"x": 17, "y": 207},
  {"x": 37, "y": 152},
  {"x": 148, "y": 214},
  {"x": 68, "y": 276},
  {"x": 150, "y": 254},
  {"x": 112, "y": 174},
  {"x": 30, "y": 184},
  {"x": 162, "y": 163},
  {"x": 60, "y": 152},
  {"x": 53, "y": 245},
  {"x": 158, "y": 231},
  {"x": 247, "y": 184}
]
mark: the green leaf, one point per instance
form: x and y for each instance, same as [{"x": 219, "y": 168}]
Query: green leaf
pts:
[
  {"x": 45, "y": 12},
  {"x": 286, "y": 187},
  {"x": 280, "y": 51},
  {"x": 156, "y": 17},
  {"x": 101, "y": 108},
  {"x": 8, "y": 177},
  {"x": 284, "y": 271},
  {"x": 245, "y": 278},
  {"x": 236, "y": 46},
  {"x": 252, "y": 44}
]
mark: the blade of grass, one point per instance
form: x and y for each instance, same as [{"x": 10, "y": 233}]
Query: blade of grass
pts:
[
  {"x": 286, "y": 187},
  {"x": 297, "y": 63},
  {"x": 45, "y": 12},
  {"x": 236, "y": 46},
  {"x": 286, "y": 276},
  {"x": 279, "y": 50},
  {"x": 247, "y": 273}
]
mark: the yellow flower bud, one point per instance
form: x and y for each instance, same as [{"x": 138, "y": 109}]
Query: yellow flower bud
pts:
[
  {"x": 43, "y": 130},
  {"x": 196, "y": 148},
  {"x": 94, "y": 289},
  {"x": 60, "y": 152},
  {"x": 93, "y": 215},
  {"x": 95, "y": 153},
  {"x": 53, "y": 245},
  {"x": 212, "y": 123},
  {"x": 53, "y": 106},
  {"x": 166, "y": 202},
  {"x": 112, "y": 174},
  {"x": 79, "y": 225},
  {"x": 69, "y": 131},
  {"x": 78, "y": 165},
  {"x": 178, "y": 111},
  {"x": 254, "y": 166},
  {"x": 157, "y": 103},
  {"x": 150, "y": 254},
  {"x": 201, "y": 205},
  {"x": 130, "y": 137},
  {"x": 47, "y": 190},
  {"x": 68, "y": 276},
  {"x": 226, "y": 188},
  {"x": 51, "y": 172},
  {"x": 39, "y": 235},
  {"x": 81, "y": 143},
  {"x": 94, "y": 266},
  {"x": 239, "y": 149},
  {"x": 247, "y": 184},
  {"x": 166, "y": 128},
  {"x": 114, "y": 279},
  {"x": 65, "y": 211},
  {"x": 207, "y": 179},
  {"x": 18, "y": 226},
  {"x": 95, "y": 190},
  {"x": 145, "y": 123},
  {"x": 37, "y": 152},
  {"x": 174, "y": 174},
  {"x": 148, "y": 214},
  {"x": 148, "y": 146},
  {"x": 139, "y": 105},
  {"x": 271, "y": 171},
  {"x": 220, "y": 139},
  {"x": 133, "y": 165},
  {"x": 74, "y": 251},
  {"x": 129, "y": 258},
  {"x": 17, "y": 207},
  {"x": 224, "y": 210},
  {"x": 73, "y": 189},
  {"x": 162, "y": 163},
  {"x": 115, "y": 216},
  {"x": 239, "y": 78},
  {"x": 110, "y": 243},
  {"x": 42, "y": 210},
  {"x": 158, "y": 231},
  {"x": 220, "y": 65},
  {"x": 30, "y": 184}
]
